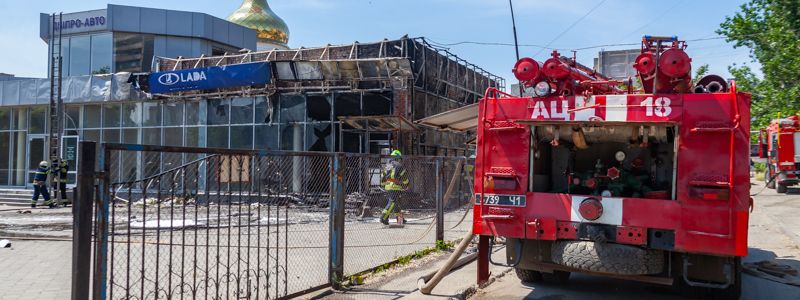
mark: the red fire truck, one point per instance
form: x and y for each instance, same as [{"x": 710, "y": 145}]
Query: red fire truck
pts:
[
  {"x": 779, "y": 144},
  {"x": 590, "y": 175}
]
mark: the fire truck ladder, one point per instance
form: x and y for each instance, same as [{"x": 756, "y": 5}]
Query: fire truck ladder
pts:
[{"x": 56, "y": 108}]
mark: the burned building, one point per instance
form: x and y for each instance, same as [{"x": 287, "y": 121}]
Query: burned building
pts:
[{"x": 362, "y": 97}]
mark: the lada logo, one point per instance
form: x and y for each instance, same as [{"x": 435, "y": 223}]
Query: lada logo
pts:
[
  {"x": 173, "y": 78},
  {"x": 169, "y": 79}
]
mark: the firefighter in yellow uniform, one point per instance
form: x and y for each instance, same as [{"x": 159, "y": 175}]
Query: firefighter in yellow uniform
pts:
[
  {"x": 395, "y": 181},
  {"x": 60, "y": 171}
]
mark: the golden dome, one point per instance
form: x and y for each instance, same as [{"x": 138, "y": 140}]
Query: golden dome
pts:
[{"x": 257, "y": 15}]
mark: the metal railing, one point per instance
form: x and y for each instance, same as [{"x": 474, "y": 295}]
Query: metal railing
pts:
[{"x": 231, "y": 223}]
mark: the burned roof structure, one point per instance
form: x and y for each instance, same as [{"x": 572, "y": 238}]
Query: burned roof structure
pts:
[{"x": 346, "y": 98}]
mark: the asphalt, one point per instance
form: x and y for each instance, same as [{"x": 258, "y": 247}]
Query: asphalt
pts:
[{"x": 774, "y": 234}]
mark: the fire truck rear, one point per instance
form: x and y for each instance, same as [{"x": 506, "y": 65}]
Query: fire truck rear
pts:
[
  {"x": 780, "y": 145},
  {"x": 594, "y": 176}
]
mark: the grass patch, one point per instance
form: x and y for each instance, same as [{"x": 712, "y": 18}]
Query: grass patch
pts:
[
  {"x": 760, "y": 176},
  {"x": 760, "y": 167},
  {"x": 358, "y": 278}
]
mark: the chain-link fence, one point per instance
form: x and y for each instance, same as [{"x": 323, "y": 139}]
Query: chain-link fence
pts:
[{"x": 219, "y": 223}]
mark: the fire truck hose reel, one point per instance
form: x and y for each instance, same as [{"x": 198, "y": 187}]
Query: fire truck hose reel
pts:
[{"x": 607, "y": 258}]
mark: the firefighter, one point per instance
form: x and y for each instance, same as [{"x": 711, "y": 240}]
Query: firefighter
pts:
[
  {"x": 395, "y": 181},
  {"x": 40, "y": 185},
  {"x": 60, "y": 170}
]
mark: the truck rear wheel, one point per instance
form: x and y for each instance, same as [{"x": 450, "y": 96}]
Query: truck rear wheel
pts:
[
  {"x": 770, "y": 174},
  {"x": 607, "y": 258},
  {"x": 528, "y": 275},
  {"x": 781, "y": 188}
]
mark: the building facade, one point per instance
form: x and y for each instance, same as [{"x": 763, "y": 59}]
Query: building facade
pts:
[
  {"x": 126, "y": 38},
  {"x": 617, "y": 64},
  {"x": 378, "y": 91},
  {"x": 100, "y": 106}
]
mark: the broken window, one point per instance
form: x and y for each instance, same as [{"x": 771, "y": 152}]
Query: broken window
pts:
[
  {"x": 308, "y": 70},
  {"x": 242, "y": 110},
  {"x": 318, "y": 108},
  {"x": 293, "y": 108},
  {"x": 347, "y": 104},
  {"x": 217, "y": 112},
  {"x": 318, "y": 137},
  {"x": 377, "y": 104}
]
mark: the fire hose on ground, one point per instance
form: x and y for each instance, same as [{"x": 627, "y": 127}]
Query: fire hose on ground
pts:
[{"x": 428, "y": 282}]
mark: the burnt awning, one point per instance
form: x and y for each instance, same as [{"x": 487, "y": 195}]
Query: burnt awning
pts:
[
  {"x": 461, "y": 119},
  {"x": 387, "y": 123}
]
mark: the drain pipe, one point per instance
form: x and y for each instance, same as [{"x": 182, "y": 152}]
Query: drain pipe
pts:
[{"x": 428, "y": 282}]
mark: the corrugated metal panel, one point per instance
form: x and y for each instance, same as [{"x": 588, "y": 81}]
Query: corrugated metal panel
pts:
[{"x": 460, "y": 119}]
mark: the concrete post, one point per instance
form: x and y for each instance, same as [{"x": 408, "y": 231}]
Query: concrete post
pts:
[
  {"x": 82, "y": 223},
  {"x": 336, "y": 230},
  {"x": 297, "y": 145}
]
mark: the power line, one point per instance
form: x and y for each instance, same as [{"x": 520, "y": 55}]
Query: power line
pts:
[
  {"x": 446, "y": 45},
  {"x": 571, "y": 26}
]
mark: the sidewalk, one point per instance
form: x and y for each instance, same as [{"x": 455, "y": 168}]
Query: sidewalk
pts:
[
  {"x": 39, "y": 263},
  {"x": 402, "y": 283},
  {"x": 36, "y": 269}
]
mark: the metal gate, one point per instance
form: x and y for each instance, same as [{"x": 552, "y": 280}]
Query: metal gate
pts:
[
  {"x": 180, "y": 222},
  {"x": 209, "y": 223}
]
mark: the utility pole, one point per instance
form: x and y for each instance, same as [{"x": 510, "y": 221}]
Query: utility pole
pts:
[{"x": 516, "y": 43}]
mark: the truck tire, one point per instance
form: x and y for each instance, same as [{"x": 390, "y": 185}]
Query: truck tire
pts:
[
  {"x": 770, "y": 174},
  {"x": 528, "y": 275},
  {"x": 607, "y": 258},
  {"x": 781, "y": 188}
]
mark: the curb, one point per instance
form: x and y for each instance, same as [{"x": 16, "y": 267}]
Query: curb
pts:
[{"x": 474, "y": 289}]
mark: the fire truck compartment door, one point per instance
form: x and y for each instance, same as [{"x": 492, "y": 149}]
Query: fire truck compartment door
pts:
[{"x": 796, "y": 146}]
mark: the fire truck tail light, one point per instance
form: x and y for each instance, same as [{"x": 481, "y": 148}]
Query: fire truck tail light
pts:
[
  {"x": 591, "y": 209},
  {"x": 709, "y": 193}
]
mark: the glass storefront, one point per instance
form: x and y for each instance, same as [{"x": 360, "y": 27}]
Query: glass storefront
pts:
[{"x": 284, "y": 122}]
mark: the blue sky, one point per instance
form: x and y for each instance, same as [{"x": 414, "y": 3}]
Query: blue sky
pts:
[{"x": 539, "y": 22}]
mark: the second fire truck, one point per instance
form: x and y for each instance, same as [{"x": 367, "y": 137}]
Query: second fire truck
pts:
[{"x": 779, "y": 144}]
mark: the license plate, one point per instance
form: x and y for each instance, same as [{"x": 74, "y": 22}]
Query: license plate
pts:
[{"x": 501, "y": 200}]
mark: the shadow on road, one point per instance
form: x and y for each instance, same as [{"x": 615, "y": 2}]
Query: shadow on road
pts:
[{"x": 756, "y": 254}]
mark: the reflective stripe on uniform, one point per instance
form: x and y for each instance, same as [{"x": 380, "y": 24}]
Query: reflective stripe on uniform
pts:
[{"x": 392, "y": 184}]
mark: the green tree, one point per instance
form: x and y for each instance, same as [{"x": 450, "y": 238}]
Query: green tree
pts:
[
  {"x": 771, "y": 30},
  {"x": 699, "y": 73}
]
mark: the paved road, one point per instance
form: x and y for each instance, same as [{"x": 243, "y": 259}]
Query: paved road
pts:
[{"x": 774, "y": 234}]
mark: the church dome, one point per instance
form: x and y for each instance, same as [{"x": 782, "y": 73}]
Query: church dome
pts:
[{"x": 271, "y": 30}]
